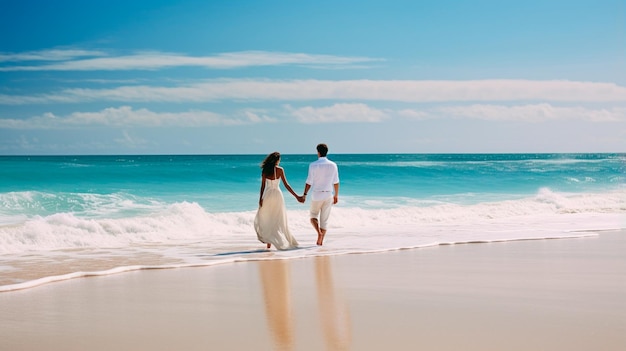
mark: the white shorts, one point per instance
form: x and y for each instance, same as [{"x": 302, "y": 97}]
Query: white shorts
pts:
[{"x": 321, "y": 209}]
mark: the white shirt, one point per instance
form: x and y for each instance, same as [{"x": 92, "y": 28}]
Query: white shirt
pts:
[{"x": 323, "y": 174}]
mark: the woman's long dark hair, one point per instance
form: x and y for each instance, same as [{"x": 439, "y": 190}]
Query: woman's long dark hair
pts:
[{"x": 270, "y": 162}]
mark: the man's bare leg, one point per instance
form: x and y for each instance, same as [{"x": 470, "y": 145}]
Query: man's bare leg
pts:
[
  {"x": 320, "y": 237},
  {"x": 316, "y": 225},
  {"x": 320, "y": 231}
]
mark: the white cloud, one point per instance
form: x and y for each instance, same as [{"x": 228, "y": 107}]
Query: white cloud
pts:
[
  {"x": 253, "y": 116},
  {"x": 338, "y": 113},
  {"x": 126, "y": 116},
  {"x": 364, "y": 90},
  {"x": 129, "y": 141},
  {"x": 49, "y": 55},
  {"x": 414, "y": 114},
  {"x": 61, "y": 97},
  {"x": 533, "y": 113},
  {"x": 160, "y": 60}
]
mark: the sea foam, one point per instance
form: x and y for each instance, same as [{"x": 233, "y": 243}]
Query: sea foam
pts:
[{"x": 169, "y": 224}]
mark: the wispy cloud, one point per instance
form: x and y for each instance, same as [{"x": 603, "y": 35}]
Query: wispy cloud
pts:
[
  {"x": 415, "y": 114},
  {"x": 257, "y": 116},
  {"x": 161, "y": 60},
  {"x": 534, "y": 113},
  {"x": 49, "y": 55},
  {"x": 362, "y": 113},
  {"x": 345, "y": 90},
  {"x": 126, "y": 116},
  {"x": 338, "y": 113},
  {"x": 130, "y": 141}
]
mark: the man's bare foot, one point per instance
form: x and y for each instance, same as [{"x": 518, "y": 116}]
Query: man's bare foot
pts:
[
  {"x": 269, "y": 245},
  {"x": 320, "y": 237}
]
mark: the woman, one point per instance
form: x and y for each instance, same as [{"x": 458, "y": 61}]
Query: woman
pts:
[{"x": 270, "y": 222}]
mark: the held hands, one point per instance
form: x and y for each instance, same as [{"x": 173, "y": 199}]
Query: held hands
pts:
[{"x": 301, "y": 199}]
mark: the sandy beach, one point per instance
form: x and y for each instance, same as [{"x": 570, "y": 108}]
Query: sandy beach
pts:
[{"x": 561, "y": 294}]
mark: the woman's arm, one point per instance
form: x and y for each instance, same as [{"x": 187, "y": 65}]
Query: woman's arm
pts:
[
  {"x": 262, "y": 189},
  {"x": 286, "y": 183}
]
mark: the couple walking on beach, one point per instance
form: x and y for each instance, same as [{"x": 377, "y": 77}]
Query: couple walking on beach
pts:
[{"x": 322, "y": 182}]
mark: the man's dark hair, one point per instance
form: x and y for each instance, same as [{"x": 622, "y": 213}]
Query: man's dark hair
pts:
[{"x": 322, "y": 149}]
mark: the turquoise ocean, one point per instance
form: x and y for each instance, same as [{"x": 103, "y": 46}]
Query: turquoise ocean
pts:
[{"x": 64, "y": 217}]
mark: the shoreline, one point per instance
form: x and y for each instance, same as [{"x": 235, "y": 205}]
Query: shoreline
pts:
[
  {"x": 87, "y": 268},
  {"x": 537, "y": 294}
]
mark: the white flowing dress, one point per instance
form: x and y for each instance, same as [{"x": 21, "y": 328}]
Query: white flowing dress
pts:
[{"x": 270, "y": 222}]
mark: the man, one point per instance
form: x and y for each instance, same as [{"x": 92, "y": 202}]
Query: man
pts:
[{"x": 323, "y": 181}]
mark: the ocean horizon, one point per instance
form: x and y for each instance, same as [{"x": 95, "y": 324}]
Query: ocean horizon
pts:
[{"x": 69, "y": 216}]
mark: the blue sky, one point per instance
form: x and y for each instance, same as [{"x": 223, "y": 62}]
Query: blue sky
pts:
[{"x": 252, "y": 77}]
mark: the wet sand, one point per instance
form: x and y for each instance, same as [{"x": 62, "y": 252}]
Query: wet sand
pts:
[{"x": 561, "y": 294}]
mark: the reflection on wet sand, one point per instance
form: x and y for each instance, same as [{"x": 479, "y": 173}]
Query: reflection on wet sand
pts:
[
  {"x": 334, "y": 314},
  {"x": 276, "y": 291}
]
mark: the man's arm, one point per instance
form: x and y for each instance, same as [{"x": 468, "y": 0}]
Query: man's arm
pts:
[{"x": 307, "y": 186}]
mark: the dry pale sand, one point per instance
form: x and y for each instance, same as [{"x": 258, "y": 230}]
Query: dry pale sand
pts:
[{"x": 565, "y": 294}]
